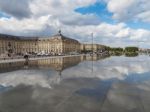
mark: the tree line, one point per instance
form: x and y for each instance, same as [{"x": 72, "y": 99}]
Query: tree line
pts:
[{"x": 126, "y": 49}]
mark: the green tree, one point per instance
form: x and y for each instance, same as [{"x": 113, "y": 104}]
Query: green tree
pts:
[{"x": 131, "y": 49}]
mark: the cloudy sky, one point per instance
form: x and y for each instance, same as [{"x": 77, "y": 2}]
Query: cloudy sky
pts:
[{"x": 113, "y": 22}]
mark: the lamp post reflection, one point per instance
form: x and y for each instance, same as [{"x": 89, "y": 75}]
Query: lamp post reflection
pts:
[
  {"x": 26, "y": 64},
  {"x": 92, "y": 53}
]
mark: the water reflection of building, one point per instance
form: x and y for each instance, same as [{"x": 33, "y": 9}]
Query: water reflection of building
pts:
[
  {"x": 6, "y": 67},
  {"x": 94, "y": 57},
  {"x": 58, "y": 64}
]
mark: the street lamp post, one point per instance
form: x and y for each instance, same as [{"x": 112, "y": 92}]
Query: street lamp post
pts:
[
  {"x": 92, "y": 52},
  {"x": 92, "y": 44}
]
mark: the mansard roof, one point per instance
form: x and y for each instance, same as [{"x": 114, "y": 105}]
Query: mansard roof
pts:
[
  {"x": 62, "y": 37},
  {"x": 10, "y": 37},
  {"x": 58, "y": 36}
]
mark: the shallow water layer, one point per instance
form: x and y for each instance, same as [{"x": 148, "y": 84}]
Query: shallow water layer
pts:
[{"x": 76, "y": 84}]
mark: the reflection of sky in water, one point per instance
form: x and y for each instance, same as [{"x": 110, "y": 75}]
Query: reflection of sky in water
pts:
[
  {"x": 39, "y": 77},
  {"x": 115, "y": 84},
  {"x": 115, "y": 67}
]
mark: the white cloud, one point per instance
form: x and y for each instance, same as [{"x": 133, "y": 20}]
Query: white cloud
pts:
[
  {"x": 124, "y": 10},
  {"x": 28, "y": 27},
  {"x": 140, "y": 34},
  {"x": 57, "y": 7},
  {"x": 50, "y": 15},
  {"x": 145, "y": 16},
  {"x": 17, "y": 8},
  {"x": 47, "y": 25},
  {"x": 79, "y": 20},
  {"x": 123, "y": 33}
]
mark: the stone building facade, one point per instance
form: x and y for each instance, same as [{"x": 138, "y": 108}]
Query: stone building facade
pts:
[
  {"x": 57, "y": 44},
  {"x": 17, "y": 45},
  {"x": 92, "y": 47}
]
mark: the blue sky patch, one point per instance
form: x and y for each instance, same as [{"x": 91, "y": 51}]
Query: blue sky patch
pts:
[
  {"x": 100, "y": 9},
  {"x": 3, "y": 15},
  {"x": 138, "y": 25}
]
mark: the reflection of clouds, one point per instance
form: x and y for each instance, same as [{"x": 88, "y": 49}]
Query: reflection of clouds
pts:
[
  {"x": 126, "y": 97},
  {"x": 110, "y": 68},
  {"x": 138, "y": 68},
  {"x": 121, "y": 70},
  {"x": 114, "y": 67},
  {"x": 62, "y": 98},
  {"x": 80, "y": 89},
  {"x": 145, "y": 86},
  {"x": 43, "y": 78},
  {"x": 79, "y": 94}
]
